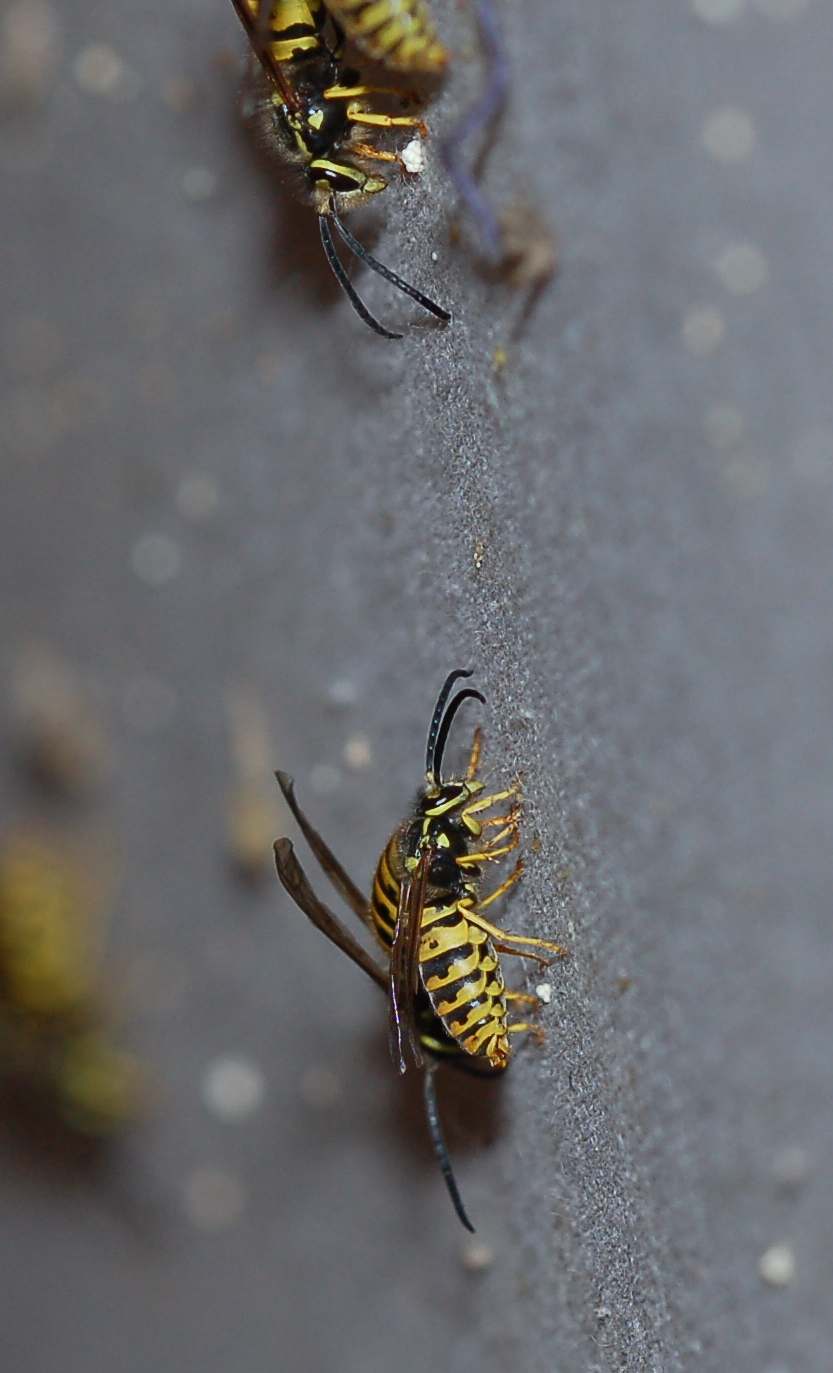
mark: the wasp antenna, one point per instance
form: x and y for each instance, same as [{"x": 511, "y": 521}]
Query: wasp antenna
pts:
[
  {"x": 440, "y": 1151},
  {"x": 439, "y": 747},
  {"x": 445, "y": 691},
  {"x": 346, "y": 284},
  {"x": 359, "y": 251}
]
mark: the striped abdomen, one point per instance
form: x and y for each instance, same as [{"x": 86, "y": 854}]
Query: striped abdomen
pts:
[
  {"x": 399, "y": 33},
  {"x": 459, "y": 967},
  {"x": 294, "y": 27}
]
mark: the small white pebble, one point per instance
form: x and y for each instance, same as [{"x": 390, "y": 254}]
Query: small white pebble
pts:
[
  {"x": 98, "y": 69},
  {"x": 324, "y": 779},
  {"x": 791, "y": 1166},
  {"x": 213, "y": 1198},
  {"x": 724, "y": 426},
  {"x": 320, "y": 1088},
  {"x": 477, "y": 1256},
  {"x": 544, "y": 992},
  {"x": 728, "y": 135},
  {"x": 357, "y": 752},
  {"x": 155, "y": 558},
  {"x": 148, "y": 703},
  {"x": 777, "y": 1265},
  {"x": 413, "y": 156},
  {"x": 232, "y": 1088},
  {"x": 199, "y": 183},
  {"x": 435, "y": 257},
  {"x": 197, "y": 496},
  {"x": 742, "y": 268},
  {"x": 703, "y": 330},
  {"x": 718, "y": 11}
]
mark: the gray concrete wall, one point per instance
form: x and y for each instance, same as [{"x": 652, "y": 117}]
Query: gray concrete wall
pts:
[{"x": 627, "y": 533}]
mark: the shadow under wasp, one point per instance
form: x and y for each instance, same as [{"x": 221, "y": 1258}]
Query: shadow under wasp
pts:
[
  {"x": 316, "y": 114},
  {"x": 448, "y": 1002}
]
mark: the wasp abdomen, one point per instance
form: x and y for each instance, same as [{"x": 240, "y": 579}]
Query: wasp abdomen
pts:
[{"x": 461, "y": 974}]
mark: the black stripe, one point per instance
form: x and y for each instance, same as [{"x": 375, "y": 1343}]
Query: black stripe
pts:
[{"x": 440, "y": 965}]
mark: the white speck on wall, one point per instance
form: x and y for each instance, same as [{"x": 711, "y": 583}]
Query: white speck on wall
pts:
[
  {"x": 742, "y": 268},
  {"x": 324, "y": 779},
  {"x": 477, "y": 1256},
  {"x": 728, "y": 135},
  {"x": 357, "y": 752},
  {"x": 724, "y": 426},
  {"x": 155, "y": 559},
  {"x": 777, "y": 1265},
  {"x": 703, "y": 330},
  {"x": 232, "y": 1088},
  {"x": 413, "y": 156},
  {"x": 718, "y": 11},
  {"x": 544, "y": 992},
  {"x": 98, "y": 69},
  {"x": 213, "y": 1198},
  {"x": 199, "y": 183},
  {"x": 197, "y": 496}
]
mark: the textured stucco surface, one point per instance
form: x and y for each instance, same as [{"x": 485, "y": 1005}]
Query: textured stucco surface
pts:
[{"x": 643, "y": 584}]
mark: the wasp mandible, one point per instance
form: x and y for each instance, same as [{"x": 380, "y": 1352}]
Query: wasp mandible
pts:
[{"x": 447, "y": 998}]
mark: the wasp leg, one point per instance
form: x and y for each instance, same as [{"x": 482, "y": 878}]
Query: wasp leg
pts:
[
  {"x": 486, "y": 802},
  {"x": 506, "y": 938},
  {"x": 490, "y": 854},
  {"x": 377, "y": 154},
  {"x": 474, "y": 756},
  {"x": 510, "y": 819},
  {"x": 526, "y": 1026},
  {"x": 510, "y": 827},
  {"x": 357, "y": 92},
  {"x": 388, "y": 121},
  {"x": 523, "y": 998},
  {"x": 512, "y": 952},
  {"x": 505, "y": 886}
]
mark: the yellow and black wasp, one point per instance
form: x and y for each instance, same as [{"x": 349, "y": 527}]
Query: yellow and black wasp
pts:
[
  {"x": 447, "y": 998},
  {"x": 54, "y": 1042},
  {"x": 315, "y": 113}
]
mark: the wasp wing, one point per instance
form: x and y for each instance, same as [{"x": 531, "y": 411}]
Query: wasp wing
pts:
[
  {"x": 295, "y": 882},
  {"x": 343, "y": 883},
  {"x": 404, "y": 966}
]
